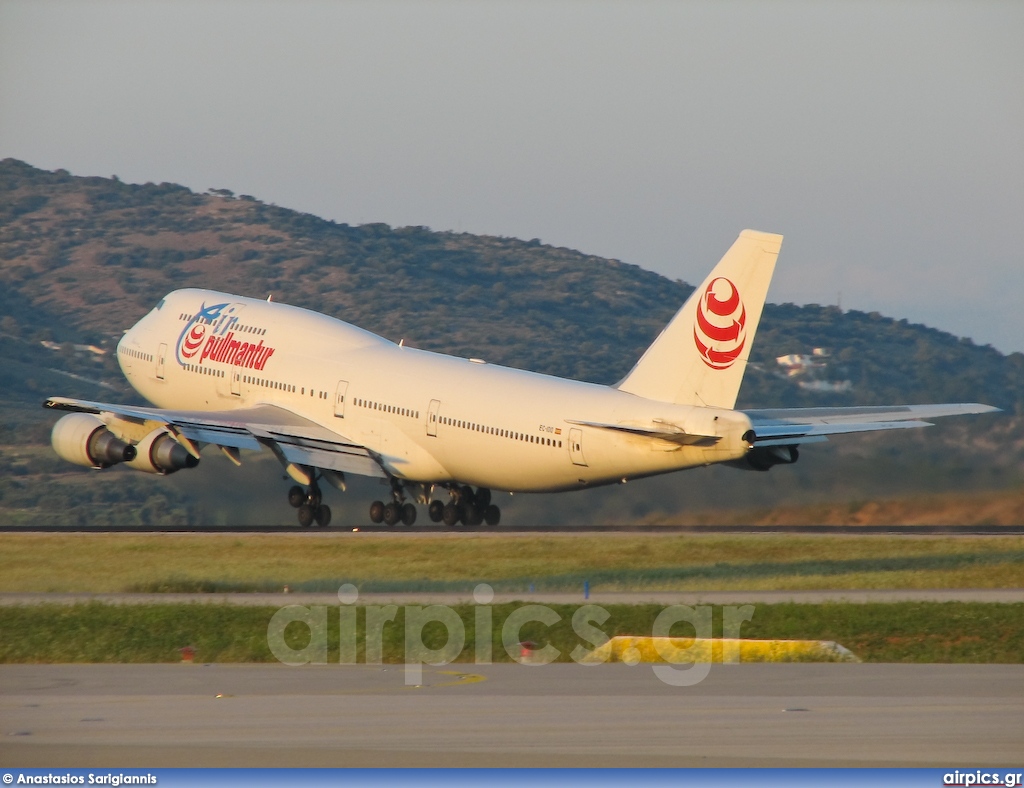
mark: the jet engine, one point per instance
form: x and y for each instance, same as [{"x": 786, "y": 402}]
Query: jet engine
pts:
[
  {"x": 159, "y": 453},
  {"x": 83, "y": 439},
  {"x": 761, "y": 458}
]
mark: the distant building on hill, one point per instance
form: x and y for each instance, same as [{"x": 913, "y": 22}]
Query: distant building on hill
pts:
[
  {"x": 811, "y": 368},
  {"x": 796, "y": 364}
]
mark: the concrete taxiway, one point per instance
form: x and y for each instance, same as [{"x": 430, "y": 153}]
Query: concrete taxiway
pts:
[{"x": 510, "y": 715}]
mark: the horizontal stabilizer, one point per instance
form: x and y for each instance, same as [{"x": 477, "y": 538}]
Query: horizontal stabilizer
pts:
[
  {"x": 779, "y": 426},
  {"x": 790, "y": 441},
  {"x": 663, "y": 431},
  {"x": 868, "y": 413},
  {"x": 780, "y": 431}
]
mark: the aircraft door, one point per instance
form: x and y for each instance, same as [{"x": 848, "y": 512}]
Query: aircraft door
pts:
[
  {"x": 432, "y": 416},
  {"x": 576, "y": 447},
  {"x": 236, "y": 382},
  {"x": 339, "y": 399},
  {"x": 161, "y": 361}
]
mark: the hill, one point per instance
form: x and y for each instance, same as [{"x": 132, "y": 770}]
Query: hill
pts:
[{"x": 83, "y": 258}]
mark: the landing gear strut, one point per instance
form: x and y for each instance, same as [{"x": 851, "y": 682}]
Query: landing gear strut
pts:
[{"x": 310, "y": 506}]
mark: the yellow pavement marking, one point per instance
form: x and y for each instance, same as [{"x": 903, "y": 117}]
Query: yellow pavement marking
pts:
[
  {"x": 629, "y": 649},
  {"x": 463, "y": 678}
]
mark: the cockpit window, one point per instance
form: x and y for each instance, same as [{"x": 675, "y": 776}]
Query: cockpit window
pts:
[{"x": 158, "y": 306}]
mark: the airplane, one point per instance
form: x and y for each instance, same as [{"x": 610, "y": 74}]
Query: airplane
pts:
[{"x": 328, "y": 399}]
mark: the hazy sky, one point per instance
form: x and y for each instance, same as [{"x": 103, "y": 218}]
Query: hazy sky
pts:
[{"x": 885, "y": 140}]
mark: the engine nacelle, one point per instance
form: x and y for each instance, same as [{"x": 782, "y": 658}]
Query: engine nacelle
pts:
[
  {"x": 84, "y": 439},
  {"x": 159, "y": 453},
  {"x": 761, "y": 458}
]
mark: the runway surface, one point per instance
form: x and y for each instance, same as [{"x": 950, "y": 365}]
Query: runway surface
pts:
[
  {"x": 998, "y": 595},
  {"x": 510, "y": 715},
  {"x": 428, "y": 528}
]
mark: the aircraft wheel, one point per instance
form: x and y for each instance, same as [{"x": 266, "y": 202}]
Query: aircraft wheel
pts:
[
  {"x": 471, "y": 514},
  {"x": 465, "y": 493},
  {"x": 450, "y": 514},
  {"x": 435, "y": 511},
  {"x": 408, "y": 514},
  {"x": 492, "y": 515},
  {"x": 296, "y": 496},
  {"x": 306, "y": 515},
  {"x": 483, "y": 498},
  {"x": 377, "y": 512},
  {"x": 392, "y": 514},
  {"x": 323, "y": 515}
]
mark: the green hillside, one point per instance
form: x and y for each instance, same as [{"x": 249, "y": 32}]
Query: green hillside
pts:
[{"x": 83, "y": 258}]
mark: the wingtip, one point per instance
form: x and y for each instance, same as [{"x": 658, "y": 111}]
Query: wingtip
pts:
[{"x": 980, "y": 407}]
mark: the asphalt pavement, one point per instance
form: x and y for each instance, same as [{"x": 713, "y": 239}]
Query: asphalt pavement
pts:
[{"x": 510, "y": 715}]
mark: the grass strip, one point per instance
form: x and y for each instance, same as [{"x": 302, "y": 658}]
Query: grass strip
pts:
[
  {"x": 609, "y": 579},
  {"x": 923, "y": 632},
  {"x": 317, "y": 560}
]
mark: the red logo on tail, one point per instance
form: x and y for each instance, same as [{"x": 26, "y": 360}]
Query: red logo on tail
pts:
[{"x": 720, "y": 330}]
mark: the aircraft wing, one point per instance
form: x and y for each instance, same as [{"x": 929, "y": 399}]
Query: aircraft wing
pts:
[
  {"x": 286, "y": 434},
  {"x": 787, "y": 426}
]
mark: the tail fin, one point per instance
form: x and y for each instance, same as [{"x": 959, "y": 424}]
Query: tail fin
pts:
[{"x": 700, "y": 357}]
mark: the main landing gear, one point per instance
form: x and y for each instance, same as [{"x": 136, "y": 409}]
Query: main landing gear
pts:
[
  {"x": 466, "y": 507},
  {"x": 396, "y": 511},
  {"x": 392, "y": 513},
  {"x": 308, "y": 502}
]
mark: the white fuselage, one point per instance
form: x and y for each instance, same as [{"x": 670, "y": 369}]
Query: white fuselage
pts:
[{"x": 431, "y": 418}]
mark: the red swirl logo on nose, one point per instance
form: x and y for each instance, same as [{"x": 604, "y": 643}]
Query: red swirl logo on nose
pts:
[
  {"x": 193, "y": 340},
  {"x": 720, "y": 328}
]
